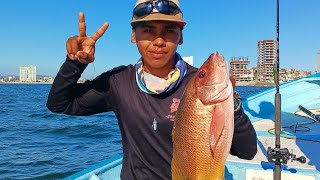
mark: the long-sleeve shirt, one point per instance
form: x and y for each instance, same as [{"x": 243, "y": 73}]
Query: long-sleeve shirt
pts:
[{"x": 147, "y": 151}]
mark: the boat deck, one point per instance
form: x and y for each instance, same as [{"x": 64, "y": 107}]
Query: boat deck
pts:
[
  {"x": 260, "y": 168},
  {"x": 300, "y": 134}
]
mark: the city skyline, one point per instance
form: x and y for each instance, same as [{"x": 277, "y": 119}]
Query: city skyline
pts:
[
  {"x": 35, "y": 33},
  {"x": 190, "y": 60}
]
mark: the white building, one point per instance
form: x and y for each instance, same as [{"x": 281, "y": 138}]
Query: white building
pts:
[
  {"x": 189, "y": 60},
  {"x": 318, "y": 61},
  {"x": 28, "y": 74},
  {"x": 11, "y": 78}
]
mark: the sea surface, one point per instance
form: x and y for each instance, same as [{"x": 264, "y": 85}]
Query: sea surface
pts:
[{"x": 38, "y": 144}]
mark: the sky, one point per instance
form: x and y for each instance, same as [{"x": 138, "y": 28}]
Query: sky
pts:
[{"x": 34, "y": 32}]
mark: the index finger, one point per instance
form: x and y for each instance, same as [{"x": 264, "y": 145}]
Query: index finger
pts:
[
  {"x": 100, "y": 31},
  {"x": 82, "y": 25}
]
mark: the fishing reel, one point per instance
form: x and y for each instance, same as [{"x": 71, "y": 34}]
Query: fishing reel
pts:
[{"x": 282, "y": 156}]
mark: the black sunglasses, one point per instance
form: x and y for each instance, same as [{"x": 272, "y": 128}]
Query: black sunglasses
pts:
[{"x": 163, "y": 7}]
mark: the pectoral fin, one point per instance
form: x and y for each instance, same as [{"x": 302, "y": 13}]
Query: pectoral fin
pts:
[{"x": 216, "y": 127}]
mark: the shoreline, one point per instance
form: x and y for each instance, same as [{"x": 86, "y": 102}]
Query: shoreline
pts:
[
  {"x": 26, "y": 83},
  {"x": 255, "y": 83},
  {"x": 265, "y": 84}
]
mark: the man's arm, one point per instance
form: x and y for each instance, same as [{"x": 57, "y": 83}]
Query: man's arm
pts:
[
  {"x": 69, "y": 97},
  {"x": 244, "y": 143}
]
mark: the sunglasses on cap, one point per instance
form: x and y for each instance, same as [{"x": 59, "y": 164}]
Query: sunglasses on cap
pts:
[{"x": 163, "y": 7}]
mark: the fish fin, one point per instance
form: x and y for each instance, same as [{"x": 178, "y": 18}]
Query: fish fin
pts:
[{"x": 216, "y": 126}]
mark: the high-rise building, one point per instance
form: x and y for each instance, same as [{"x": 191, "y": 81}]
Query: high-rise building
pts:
[
  {"x": 189, "y": 60},
  {"x": 318, "y": 61},
  {"x": 240, "y": 70},
  {"x": 267, "y": 56},
  {"x": 28, "y": 74}
]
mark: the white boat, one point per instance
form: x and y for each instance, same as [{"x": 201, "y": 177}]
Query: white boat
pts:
[{"x": 300, "y": 135}]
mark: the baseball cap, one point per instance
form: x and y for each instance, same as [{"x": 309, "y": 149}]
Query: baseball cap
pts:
[{"x": 156, "y": 14}]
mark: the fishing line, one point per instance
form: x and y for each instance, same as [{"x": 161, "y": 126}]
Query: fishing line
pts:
[
  {"x": 288, "y": 137},
  {"x": 298, "y": 127},
  {"x": 94, "y": 68},
  {"x": 94, "y": 74}
]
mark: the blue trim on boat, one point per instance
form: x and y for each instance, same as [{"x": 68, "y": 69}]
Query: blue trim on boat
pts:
[
  {"x": 103, "y": 166},
  {"x": 260, "y": 93},
  {"x": 314, "y": 75}
]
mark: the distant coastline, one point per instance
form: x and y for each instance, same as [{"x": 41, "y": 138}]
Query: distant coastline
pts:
[
  {"x": 254, "y": 83},
  {"x": 251, "y": 83},
  {"x": 25, "y": 82}
]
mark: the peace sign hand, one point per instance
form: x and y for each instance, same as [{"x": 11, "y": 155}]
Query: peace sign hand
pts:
[{"x": 81, "y": 48}]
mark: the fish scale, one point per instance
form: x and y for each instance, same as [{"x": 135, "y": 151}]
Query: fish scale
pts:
[{"x": 193, "y": 155}]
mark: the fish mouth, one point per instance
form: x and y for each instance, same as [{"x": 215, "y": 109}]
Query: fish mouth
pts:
[
  {"x": 224, "y": 89},
  {"x": 218, "y": 83},
  {"x": 222, "y": 93},
  {"x": 218, "y": 95}
]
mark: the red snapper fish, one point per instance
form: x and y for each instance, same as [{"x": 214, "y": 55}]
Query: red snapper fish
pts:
[{"x": 203, "y": 128}]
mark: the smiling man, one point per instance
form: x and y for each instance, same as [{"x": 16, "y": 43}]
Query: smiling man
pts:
[
  {"x": 157, "y": 42},
  {"x": 144, "y": 96}
]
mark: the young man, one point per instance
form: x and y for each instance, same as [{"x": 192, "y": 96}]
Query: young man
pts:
[{"x": 144, "y": 96}]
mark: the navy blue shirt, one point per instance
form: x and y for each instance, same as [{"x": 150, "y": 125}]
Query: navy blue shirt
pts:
[{"x": 147, "y": 150}]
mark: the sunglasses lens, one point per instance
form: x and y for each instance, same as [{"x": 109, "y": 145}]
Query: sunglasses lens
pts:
[
  {"x": 142, "y": 9},
  {"x": 163, "y": 6},
  {"x": 166, "y": 7}
]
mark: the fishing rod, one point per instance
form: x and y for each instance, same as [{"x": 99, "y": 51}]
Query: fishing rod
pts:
[
  {"x": 277, "y": 155},
  {"x": 277, "y": 102},
  {"x": 309, "y": 113}
]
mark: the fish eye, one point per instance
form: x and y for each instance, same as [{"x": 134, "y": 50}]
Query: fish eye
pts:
[{"x": 202, "y": 74}]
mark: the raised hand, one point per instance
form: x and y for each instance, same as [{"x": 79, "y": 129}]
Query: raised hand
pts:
[{"x": 81, "y": 48}]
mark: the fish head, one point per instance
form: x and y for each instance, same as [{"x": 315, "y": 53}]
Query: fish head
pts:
[{"x": 212, "y": 83}]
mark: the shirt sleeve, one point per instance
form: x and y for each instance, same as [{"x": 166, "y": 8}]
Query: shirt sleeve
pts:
[
  {"x": 244, "y": 143},
  {"x": 69, "y": 97}
]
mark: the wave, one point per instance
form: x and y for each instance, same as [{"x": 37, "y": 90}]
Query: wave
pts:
[
  {"x": 58, "y": 175},
  {"x": 42, "y": 115},
  {"x": 83, "y": 131}
]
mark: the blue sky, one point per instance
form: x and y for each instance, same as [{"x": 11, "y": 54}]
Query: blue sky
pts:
[{"x": 34, "y": 32}]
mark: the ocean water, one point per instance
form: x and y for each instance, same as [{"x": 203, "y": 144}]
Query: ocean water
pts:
[{"x": 38, "y": 144}]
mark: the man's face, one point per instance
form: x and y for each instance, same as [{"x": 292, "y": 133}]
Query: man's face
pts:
[{"x": 157, "y": 42}]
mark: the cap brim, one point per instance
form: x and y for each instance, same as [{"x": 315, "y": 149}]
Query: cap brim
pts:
[{"x": 158, "y": 17}]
